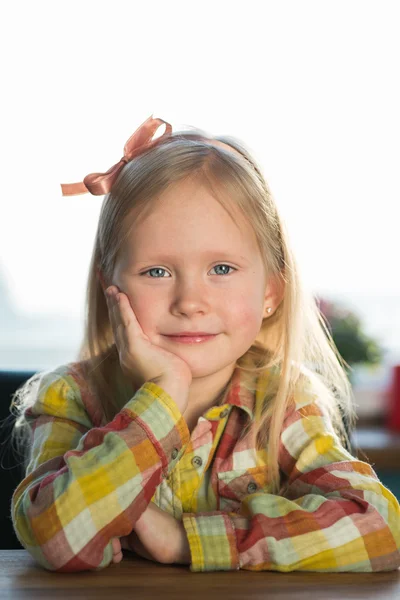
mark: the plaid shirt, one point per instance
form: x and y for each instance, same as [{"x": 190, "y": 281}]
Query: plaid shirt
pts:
[{"x": 89, "y": 481}]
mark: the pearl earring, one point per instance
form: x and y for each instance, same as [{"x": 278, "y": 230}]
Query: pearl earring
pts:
[{"x": 269, "y": 310}]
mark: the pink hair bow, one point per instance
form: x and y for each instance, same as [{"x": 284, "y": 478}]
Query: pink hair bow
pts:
[{"x": 101, "y": 183}]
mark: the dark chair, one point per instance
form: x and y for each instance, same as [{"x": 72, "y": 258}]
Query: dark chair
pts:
[{"x": 10, "y": 472}]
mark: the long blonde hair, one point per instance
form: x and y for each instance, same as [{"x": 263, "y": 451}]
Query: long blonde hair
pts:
[{"x": 295, "y": 338}]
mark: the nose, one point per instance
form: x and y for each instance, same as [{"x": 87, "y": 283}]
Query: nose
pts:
[{"x": 191, "y": 296}]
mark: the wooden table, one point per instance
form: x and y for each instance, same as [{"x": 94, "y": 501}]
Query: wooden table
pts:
[{"x": 137, "y": 578}]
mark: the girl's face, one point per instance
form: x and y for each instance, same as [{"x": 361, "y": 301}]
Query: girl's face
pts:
[{"x": 188, "y": 266}]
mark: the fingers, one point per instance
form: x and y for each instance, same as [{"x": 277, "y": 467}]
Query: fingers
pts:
[
  {"x": 114, "y": 312},
  {"x": 116, "y": 545},
  {"x": 122, "y": 316},
  {"x": 117, "y": 552}
]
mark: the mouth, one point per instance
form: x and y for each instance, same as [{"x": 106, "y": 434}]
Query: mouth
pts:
[{"x": 191, "y": 339}]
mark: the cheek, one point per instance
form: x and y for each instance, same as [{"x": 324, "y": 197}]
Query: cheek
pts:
[
  {"x": 146, "y": 309},
  {"x": 245, "y": 315}
]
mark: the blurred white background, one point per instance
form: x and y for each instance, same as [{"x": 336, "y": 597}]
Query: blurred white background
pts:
[{"x": 310, "y": 87}]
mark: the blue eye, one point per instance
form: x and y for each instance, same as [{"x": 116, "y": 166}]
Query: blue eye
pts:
[
  {"x": 228, "y": 266},
  {"x": 154, "y": 269},
  {"x": 161, "y": 269}
]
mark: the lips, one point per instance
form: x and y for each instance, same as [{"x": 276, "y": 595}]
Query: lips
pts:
[
  {"x": 192, "y": 339},
  {"x": 189, "y": 333}
]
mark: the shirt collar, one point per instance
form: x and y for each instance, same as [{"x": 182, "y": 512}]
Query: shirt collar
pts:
[{"x": 247, "y": 390}]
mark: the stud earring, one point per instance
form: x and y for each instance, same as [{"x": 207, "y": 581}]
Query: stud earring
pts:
[{"x": 269, "y": 310}]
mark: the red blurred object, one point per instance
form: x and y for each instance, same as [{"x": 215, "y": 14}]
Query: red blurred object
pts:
[{"x": 393, "y": 413}]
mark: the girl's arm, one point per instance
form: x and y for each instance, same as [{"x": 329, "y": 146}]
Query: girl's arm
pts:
[
  {"x": 334, "y": 516},
  {"x": 158, "y": 536},
  {"x": 86, "y": 485}
]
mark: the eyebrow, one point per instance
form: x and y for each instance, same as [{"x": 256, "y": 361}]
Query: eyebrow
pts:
[{"x": 209, "y": 253}]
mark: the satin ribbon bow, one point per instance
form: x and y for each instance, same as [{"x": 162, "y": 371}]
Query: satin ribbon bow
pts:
[{"x": 101, "y": 183}]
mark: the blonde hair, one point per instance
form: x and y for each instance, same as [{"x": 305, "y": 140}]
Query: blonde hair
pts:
[{"x": 294, "y": 341}]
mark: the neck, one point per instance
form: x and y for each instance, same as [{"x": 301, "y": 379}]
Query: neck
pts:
[{"x": 206, "y": 392}]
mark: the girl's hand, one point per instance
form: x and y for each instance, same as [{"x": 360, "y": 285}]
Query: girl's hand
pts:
[
  {"x": 133, "y": 544},
  {"x": 159, "y": 537},
  {"x": 139, "y": 358},
  {"x": 117, "y": 552}
]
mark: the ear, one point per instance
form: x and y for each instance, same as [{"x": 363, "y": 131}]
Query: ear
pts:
[{"x": 274, "y": 293}]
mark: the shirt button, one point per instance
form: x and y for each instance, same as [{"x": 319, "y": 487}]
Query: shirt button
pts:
[
  {"x": 224, "y": 413},
  {"x": 251, "y": 488},
  {"x": 174, "y": 453},
  {"x": 197, "y": 461}
]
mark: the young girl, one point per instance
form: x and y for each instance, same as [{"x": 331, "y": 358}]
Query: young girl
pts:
[{"x": 205, "y": 419}]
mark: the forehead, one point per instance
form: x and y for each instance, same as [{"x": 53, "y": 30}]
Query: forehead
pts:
[
  {"x": 186, "y": 220},
  {"x": 192, "y": 203}
]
